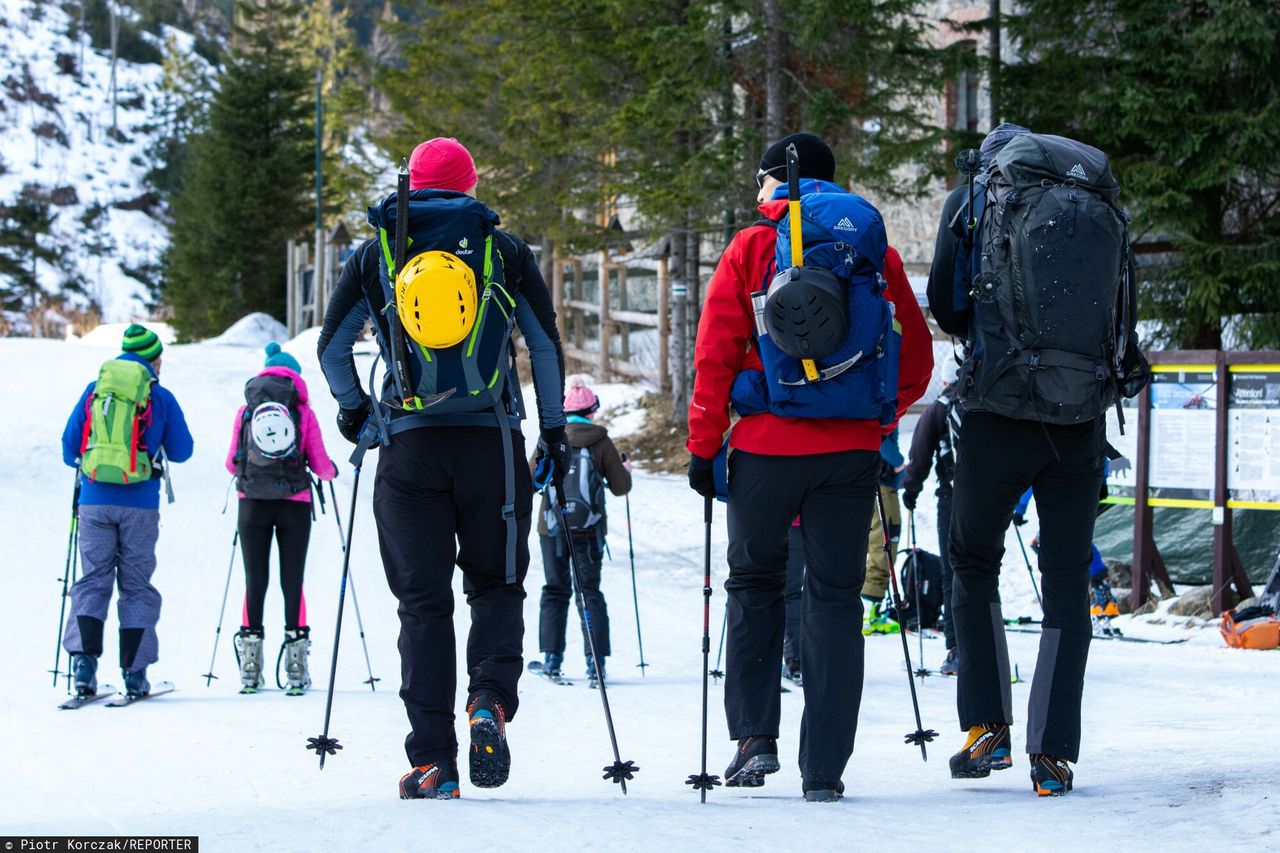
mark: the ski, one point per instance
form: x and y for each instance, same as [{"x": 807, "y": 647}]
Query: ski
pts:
[
  {"x": 535, "y": 666},
  {"x": 1120, "y": 637},
  {"x": 74, "y": 702},
  {"x": 124, "y": 699}
]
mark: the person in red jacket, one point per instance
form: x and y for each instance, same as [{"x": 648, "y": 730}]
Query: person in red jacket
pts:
[{"x": 824, "y": 470}]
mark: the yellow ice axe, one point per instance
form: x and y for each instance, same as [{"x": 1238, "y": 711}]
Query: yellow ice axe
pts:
[{"x": 797, "y": 237}]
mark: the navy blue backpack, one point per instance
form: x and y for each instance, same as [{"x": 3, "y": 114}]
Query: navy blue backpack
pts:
[{"x": 843, "y": 233}]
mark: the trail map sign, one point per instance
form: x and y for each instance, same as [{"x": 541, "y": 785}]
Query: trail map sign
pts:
[
  {"x": 1253, "y": 436},
  {"x": 1183, "y": 435}
]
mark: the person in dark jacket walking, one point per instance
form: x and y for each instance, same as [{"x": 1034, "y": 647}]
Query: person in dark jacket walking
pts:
[
  {"x": 821, "y": 469},
  {"x": 440, "y": 497},
  {"x": 119, "y": 528},
  {"x": 273, "y": 446},
  {"x": 997, "y": 458},
  {"x": 935, "y": 438},
  {"x": 588, "y": 528}
]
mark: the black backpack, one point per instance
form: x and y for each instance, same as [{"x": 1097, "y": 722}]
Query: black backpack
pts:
[
  {"x": 269, "y": 462},
  {"x": 928, "y": 567},
  {"x": 1054, "y": 299},
  {"x": 583, "y": 496}
]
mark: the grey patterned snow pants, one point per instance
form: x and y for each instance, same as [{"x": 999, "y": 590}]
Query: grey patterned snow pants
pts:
[{"x": 117, "y": 548}]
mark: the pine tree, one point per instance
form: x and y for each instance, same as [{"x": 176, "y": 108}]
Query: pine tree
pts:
[
  {"x": 1183, "y": 96},
  {"x": 251, "y": 167}
]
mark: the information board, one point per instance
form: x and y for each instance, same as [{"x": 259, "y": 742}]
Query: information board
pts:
[
  {"x": 1183, "y": 434},
  {"x": 1253, "y": 442}
]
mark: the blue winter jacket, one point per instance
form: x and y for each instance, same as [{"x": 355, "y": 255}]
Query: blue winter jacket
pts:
[
  {"x": 891, "y": 458},
  {"x": 168, "y": 430}
]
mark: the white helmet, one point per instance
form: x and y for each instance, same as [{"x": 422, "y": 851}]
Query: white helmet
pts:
[{"x": 273, "y": 430}]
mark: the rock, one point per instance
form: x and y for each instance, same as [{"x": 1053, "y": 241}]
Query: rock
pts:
[
  {"x": 1119, "y": 574},
  {"x": 1149, "y": 606},
  {"x": 1197, "y": 602}
]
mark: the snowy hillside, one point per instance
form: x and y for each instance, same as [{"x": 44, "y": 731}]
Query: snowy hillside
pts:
[
  {"x": 57, "y": 145},
  {"x": 1169, "y": 759}
]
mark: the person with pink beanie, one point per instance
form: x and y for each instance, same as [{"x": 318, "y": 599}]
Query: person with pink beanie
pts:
[
  {"x": 595, "y": 464},
  {"x": 275, "y": 443}
]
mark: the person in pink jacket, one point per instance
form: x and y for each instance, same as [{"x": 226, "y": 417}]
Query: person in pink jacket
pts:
[{"x": 275, "y": 446}]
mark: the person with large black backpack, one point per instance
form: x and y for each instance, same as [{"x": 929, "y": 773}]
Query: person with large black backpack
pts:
[
  {"x": 595, "y": 465},
  {"x": 1033, "y": 268},
  {"x": 446, "y": 289},
  {"x": 275, "y": 446}
]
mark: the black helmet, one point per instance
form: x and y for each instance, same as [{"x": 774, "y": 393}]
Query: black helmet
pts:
[{"x": 807, "y": 312}]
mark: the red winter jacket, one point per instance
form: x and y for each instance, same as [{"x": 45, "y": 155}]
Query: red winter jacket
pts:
[{"x": 723, "y": 351}]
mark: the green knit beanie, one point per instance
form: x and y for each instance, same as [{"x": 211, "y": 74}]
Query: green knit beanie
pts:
[{"x": 141, "y": 340}]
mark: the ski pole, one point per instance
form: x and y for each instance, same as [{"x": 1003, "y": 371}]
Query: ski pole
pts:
[
  {"x": 921, "y": 735},
  {"x": 323, "y": 744},
  {"x": 73, "y": 539},
  {"x": 635, "y": 596},
  {"x": 922, "y": 670},
  {"x": 222, "y": 612},
  {"x": 337, "y": 516},
  {"x": 703, "y": 782},
  {"x": 620, "y": 771},
  {"x": 1030, "y": 571},
  {"x": 718, "y": 673}
]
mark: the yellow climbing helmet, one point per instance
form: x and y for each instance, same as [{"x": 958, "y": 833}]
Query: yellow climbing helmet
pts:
[{"x": 436, "y": 299}]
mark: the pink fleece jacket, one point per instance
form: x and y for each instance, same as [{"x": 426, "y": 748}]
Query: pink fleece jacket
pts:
[{"x": 309, "y": 437}]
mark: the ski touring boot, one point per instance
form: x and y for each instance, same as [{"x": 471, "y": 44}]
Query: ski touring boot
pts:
[
  {"x": 551, "y": 666},
  {"x": 297, "y": 647},
  {"x": 248, "y": 643},
  {"x": 594, "y": 678},
  {"x": 986, "y": 749},
  {"x": 136, "y": 685},
  {"x": 823, "y": 792},
  {"x": 1050, "y": 776},
  {"x": 435, "y": 781},
  {"x": 950, "y": 665},
  {"x": 84, "y": 669},
  {"x": 1103, "y": 607},
  {"x": 875, "y": 619},
  {"x": 756, "y": 758},
  {"x": 490, "y": 757}
]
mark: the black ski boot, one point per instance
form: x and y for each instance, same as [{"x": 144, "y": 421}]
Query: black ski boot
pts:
[
  {"x": 823, "y": 792},
  {"x": 791, "y": 671},
  {"x": 756, "y": 757},
  {"x": 135, "y": 683},
  {"x": 85, "y": 671},
  {"x": 490, "y": 757},
  {"x": 435, "y": 781},
  {"x": 1050, "y": 777},
  {"x": 986, "y": 749}
]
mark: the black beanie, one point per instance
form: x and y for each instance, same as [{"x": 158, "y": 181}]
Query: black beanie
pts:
[{"x": 816, "y": 159}]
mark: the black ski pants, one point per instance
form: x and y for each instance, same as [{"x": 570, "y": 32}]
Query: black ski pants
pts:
[
  {"x": 944, "y": 555},
  {"x": 998, "y": 459},
  {"x": 558, "y": 591},
  {"x": 289, "y": 522},
  {"x": 834, "y": 494},
  {"x": 438, "y": 501}
]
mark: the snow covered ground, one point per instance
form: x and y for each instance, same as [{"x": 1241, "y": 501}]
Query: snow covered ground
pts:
[{"x": 1176, "y": 748}]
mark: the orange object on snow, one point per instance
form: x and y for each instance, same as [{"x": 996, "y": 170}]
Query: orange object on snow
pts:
[{"x": 1251, "y": 628}]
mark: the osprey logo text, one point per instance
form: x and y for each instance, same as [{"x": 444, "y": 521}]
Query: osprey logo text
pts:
[
  {"x": 844, "y": 225},
  {"x": 1077, "y": 171}
]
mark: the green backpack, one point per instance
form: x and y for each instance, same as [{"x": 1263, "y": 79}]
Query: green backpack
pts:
[{"x": 117, "y": 412}]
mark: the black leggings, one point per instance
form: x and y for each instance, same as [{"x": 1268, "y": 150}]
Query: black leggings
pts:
[{"x": 290, "y": 522}]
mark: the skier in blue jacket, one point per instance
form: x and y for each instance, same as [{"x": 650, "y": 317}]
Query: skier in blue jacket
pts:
[{"x": 119, "y": 525}]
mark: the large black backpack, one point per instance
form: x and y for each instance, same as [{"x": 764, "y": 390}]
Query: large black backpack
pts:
[
  {"x": 928, "y": 568},
  {"x": 583, "y": 496},
  {"x": 270, "y": 464},
  {"x": 1053, "y": 300}
]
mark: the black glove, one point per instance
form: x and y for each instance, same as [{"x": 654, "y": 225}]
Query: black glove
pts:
[
  {"x": 909, "y": 500},
  {"x": 553, "y": 449},
  {"x": 351, "y": 421},
  {"x": 701, "y": 480},
  {"x": 335, "y": 468},
  {"x": 1018, "y": 520}
]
